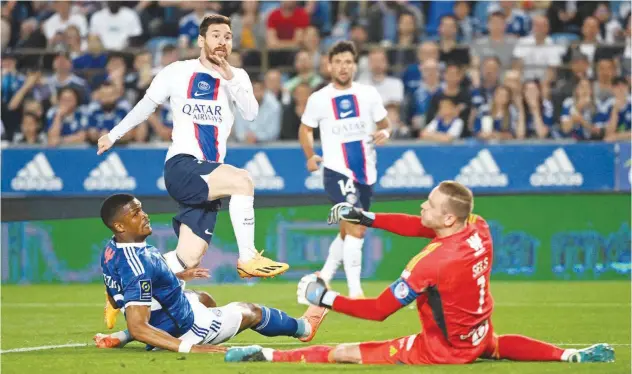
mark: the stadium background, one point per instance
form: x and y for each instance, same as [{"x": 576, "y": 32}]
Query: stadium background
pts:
[{"x": 558, "y": 204}]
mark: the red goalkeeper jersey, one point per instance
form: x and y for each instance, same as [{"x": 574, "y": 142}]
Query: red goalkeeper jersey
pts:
[{"x": 449, "y": 279}]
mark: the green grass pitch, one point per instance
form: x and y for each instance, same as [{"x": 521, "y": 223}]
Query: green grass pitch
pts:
[{"x": 570, "y": 314}]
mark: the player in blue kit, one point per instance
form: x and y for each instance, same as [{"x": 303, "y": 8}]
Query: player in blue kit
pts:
[{"x": 157, "y": 310}]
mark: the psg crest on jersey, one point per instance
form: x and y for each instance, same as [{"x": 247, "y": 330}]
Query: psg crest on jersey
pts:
[{"x": 204, "y": 86}]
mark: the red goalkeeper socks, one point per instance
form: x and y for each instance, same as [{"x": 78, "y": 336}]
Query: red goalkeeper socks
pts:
[
  {"x": 522, "y": 348},
  {"x": 313, "y": 354}
]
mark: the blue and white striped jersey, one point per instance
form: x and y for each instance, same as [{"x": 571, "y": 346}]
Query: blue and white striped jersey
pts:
[{"x": 137, "y": 274}]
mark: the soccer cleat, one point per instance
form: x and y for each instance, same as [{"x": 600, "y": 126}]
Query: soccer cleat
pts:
[
  {"x": 314, "y": 315},
  {"x": 109, "y": 313},
  {"x": 241, "y": 354},
  {"x": 595, "y": 353},
  {"x": 106, "y": 341},
  {"x": 260, "y": 267}
]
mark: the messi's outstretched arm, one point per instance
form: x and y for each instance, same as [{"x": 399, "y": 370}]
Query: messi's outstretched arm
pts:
[
  {"x": 156, "y": 94},
  {"x": 400, "y": 224}
]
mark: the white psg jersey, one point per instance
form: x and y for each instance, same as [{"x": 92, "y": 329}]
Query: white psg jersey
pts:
[
  {"x": 347, "y": 118},
  {"x": 202, "y": 105}
]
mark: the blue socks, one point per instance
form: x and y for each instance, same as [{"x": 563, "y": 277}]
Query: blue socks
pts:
[{"x": 275, "y": 322}]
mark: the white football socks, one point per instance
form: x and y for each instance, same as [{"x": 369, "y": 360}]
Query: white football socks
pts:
[
  {"x": 334, "y": 259},
  {"x": 171, "y": 258},
  {"x": 566, "y": 355},
  {"x": 352, "y": 257},
  {"x": 268, "y": 353},
  {"x": 242, "y": 216},
  {"x": 123, "y": 336}
]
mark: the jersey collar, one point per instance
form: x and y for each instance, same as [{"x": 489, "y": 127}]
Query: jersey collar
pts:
[{"x": 124, "y": 245}]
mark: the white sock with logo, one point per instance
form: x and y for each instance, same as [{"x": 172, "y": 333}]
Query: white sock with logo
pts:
[
  {"x": 242, "y": 215},
  {"x": 334, "y": 259},
  {"x": 352, "y": 257}
]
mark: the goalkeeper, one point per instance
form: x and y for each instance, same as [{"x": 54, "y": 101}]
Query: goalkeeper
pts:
[{"x": 449, "y": 281}]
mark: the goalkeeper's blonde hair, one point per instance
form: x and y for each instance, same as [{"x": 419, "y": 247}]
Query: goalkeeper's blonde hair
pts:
[{"x": 460, "y": 199}]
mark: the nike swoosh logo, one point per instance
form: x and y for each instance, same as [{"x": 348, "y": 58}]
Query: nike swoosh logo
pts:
[
  {"x": 345, "y": 114},
  {"x": 208, "y": 232},
  {"x": 196, "y": 94}
]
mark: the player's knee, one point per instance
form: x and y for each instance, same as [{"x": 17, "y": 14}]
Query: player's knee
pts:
[
  {"x": 206, "y": 299},
  {"x": 250, "y": 313},
  {"x": 190, "y": 256},
  {"x": 346, "y": 353},
  {"x": 244, "y": 184},
  {"x": 254, "y": 313},
  {"x": 191, "y": 248}
]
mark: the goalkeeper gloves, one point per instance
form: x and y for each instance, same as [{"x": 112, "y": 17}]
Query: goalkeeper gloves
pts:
[
  {"x": 349, "y": 213},
  {"x": 313, "y": 290}
]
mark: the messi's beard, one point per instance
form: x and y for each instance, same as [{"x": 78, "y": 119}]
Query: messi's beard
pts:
[{"x": 208, "y": 53}]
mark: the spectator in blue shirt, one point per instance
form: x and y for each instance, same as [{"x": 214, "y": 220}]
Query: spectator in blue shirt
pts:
[
  {"x": 447, "y": 126},
  {"x": 538, "y": 111},
  {"x": 495, "y": 121},
  {"x": 106, "y": 112},
  {"x": 483, "y": 88},
  {"x": 95, "y": 58},
  {"x": 579, "y": 114},
  {"x": 115, "y": 71},
  {"x": 430, "y": 85},
  {"x": 65, "y": 122},
  {"x": 12, "y": 80},
  {"x": 619, "y": 113},
  {"x": 412, "y": 76},
  {"x": 190, "y": 24},
  {"x": 469, "y": 27},
  {"x": 518, "y": 22}
]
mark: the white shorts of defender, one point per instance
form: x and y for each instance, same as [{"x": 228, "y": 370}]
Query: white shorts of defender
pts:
[{"x": 212, "y": 325}]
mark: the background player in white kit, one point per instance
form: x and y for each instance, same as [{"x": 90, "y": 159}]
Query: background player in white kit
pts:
[
  {"x": 204, "y": 94},
  {"x": 352, "y": 120}
]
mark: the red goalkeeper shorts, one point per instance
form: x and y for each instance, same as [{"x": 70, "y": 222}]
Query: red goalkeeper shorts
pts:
[{"x": 422, "y": 349}]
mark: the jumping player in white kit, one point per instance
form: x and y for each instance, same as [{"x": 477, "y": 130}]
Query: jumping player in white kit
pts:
[
  {"x": 204, "y": 95},
  {"x": 352, "y": 120}
]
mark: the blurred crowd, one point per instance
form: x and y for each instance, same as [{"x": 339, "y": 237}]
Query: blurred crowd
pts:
[{"x": 448, "y": 70}]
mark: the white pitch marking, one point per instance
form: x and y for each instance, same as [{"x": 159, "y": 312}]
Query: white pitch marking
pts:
[{"x": 44, "y": 347}]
